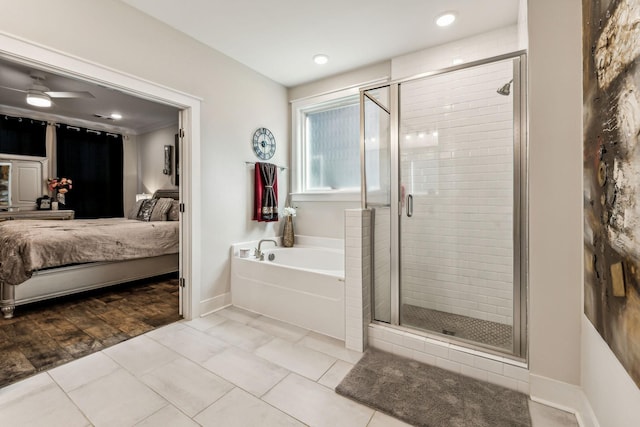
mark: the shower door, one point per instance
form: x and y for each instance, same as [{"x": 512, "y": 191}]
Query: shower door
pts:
[
  {"x": 376, "y": 143},
  {"x": 458, "y": 180}
]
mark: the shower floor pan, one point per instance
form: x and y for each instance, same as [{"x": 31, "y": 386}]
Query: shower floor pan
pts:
[{"x": 468, "y": 328}]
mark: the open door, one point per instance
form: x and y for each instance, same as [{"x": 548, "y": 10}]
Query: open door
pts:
[{"x": 179, "y": 145}]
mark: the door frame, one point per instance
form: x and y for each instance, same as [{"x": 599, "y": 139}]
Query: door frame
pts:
[{"x": 37, "y": 56}]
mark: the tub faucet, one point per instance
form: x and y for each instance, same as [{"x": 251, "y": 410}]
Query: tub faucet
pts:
[{"x": 258, "y": 252}]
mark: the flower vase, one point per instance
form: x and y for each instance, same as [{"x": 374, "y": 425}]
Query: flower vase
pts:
[{"x": 287, "y": 234}]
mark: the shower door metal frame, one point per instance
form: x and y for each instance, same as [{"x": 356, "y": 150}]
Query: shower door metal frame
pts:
[{"x": 520, "y": 198}]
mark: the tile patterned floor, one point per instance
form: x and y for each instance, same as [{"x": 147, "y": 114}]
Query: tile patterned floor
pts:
[
  {"x": 468, "y": 328},
  {"x": 230, "y": 368},
  {"x": 44, "y": 335}
]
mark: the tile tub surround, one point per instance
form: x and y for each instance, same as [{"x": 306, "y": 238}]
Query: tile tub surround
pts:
[
  {"x": 229, "y": 385},
  {"x": 303, "y": 285},
  {"x": 357, "y": 277}
]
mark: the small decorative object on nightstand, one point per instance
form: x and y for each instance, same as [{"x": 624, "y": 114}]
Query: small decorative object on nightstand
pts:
[
  {"x": 43, "y": 203},
  {"x": 59, "y": 187}
]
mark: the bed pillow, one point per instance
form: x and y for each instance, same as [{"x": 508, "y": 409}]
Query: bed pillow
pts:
[
  {"x": 161, "y": 208},
  {"x": 144, "y": 214},
  {"x": 174, "y": 211},
  {"x": 133, "y": 213}
]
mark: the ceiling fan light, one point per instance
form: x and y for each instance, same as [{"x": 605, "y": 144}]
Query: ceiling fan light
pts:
[{"x": 38, "y": 99}]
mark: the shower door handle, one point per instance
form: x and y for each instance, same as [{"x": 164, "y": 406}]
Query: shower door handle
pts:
[{"x": 410, "y": 205}]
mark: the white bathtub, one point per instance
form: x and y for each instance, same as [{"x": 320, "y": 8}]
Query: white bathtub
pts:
[{"x": 303, "y": 285}]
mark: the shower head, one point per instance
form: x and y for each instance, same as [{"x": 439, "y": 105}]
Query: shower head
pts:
[{"x": 506, "y": 89}]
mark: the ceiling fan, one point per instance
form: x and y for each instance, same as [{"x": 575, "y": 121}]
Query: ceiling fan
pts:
[{"x": 39, "y": 95}]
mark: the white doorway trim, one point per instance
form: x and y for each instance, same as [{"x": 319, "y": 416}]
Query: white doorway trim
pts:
[{"x": 38, "y": 56}]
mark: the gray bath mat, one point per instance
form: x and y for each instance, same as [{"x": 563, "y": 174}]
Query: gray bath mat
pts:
[{"x": 424, "y": 395}]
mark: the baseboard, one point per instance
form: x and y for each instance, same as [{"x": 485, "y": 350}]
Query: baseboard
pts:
[
  {"x": 586, "y": 417},
  {"x": 210, "y": 305},
  {"x": 564, "y": 396}
]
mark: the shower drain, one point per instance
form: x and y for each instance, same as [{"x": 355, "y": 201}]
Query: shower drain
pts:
[{"x": 447, "y": 332}]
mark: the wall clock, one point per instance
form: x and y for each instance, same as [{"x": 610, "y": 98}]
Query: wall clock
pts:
[{"x": 264, "y": 143}]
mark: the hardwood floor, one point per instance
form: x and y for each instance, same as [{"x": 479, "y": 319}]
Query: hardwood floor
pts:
[{"x": 44, "y": 335}]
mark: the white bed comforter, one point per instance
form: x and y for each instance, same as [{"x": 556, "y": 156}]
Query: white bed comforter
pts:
[{"x": 31, "y": 245}]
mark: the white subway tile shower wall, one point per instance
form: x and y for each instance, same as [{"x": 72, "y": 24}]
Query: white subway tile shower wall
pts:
[{"x": 457, "y": 162}]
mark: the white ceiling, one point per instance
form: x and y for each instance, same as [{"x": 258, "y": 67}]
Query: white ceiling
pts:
[{"x": 278, "y": 38}]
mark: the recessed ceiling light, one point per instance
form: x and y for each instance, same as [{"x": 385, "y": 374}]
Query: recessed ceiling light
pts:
[
  {"x": 320, "y": 59},
  {"x": 446, "y": 19},
  {"x": 457, "y": 61},
  {"x": 116, "y": 116}
]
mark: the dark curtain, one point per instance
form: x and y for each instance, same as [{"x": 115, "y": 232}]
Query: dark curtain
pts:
[
  {"x": 22, "y": 136},
  {"x": 94, "y": 162}
]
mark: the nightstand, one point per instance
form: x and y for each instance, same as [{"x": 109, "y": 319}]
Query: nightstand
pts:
[{"x": 60, "y": 215}]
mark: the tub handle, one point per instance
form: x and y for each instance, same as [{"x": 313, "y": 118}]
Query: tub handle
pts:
[{"x": 410, "y": 205}]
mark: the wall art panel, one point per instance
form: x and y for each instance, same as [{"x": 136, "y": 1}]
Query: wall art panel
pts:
[{"x": 611, "y": 97}]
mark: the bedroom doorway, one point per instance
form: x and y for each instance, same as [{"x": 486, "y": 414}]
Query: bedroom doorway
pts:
[{"x": 40, "y": 58}]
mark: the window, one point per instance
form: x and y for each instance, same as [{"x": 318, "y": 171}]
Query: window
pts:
[
  {"x": 326, "y": 145},
  {"x": 332, "y": 146}
]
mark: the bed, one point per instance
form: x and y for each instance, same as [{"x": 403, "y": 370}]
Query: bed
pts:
[{"x": 42, "y": 259}]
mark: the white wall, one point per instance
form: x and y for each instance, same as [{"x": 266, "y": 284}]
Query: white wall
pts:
[
  {"x": 115, "y": 35},
  {"x": 555, "y": 189},
  {"x": 322, "y": 219},
  {"x": 151, "y": 160},
  {"x": 523, "y": 25},
  {"x": 485, "y": 45},
  {"x": 614, "y": 397},
  {"x": 370, "y": 73}
]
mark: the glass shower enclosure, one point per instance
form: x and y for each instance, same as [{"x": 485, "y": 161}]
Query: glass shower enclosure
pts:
[{"x": 444, "y": 171}]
